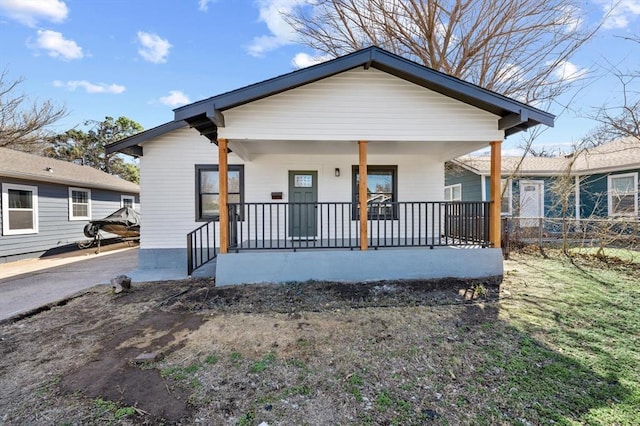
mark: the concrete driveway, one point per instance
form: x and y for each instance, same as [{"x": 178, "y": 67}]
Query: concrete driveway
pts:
[{"x": 27, "y": 285}]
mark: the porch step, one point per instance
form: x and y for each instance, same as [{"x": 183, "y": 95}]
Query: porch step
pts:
[{"x": 207, "y": 270}]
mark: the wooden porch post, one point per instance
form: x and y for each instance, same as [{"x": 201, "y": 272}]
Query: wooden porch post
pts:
[
  {"x": 496, "y": 194},
  {"x": 222, "y": 200},
  {"x": 362, "y": 194}
]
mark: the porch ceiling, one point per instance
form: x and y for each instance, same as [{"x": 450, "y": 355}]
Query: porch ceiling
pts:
[{"x": 441, "y": 150}]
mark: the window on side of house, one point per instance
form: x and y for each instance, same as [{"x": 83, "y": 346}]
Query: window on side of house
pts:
[
  {"x": 623, "y": 194},
  {"x": 507, "y": 197},
  {"x": 79, "y": 204},
  {"x": 382, "y": 190},
  {"x": 19, "y": 209},
  {"x": 208, "y": 190},
  {"x": 128, "y": 201},
  {"x": 453, "y": 192}
]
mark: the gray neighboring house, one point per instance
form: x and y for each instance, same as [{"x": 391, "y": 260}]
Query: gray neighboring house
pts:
[{"x": 46, "y": 203}]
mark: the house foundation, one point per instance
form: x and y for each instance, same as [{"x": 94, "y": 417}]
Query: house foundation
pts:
[{"x": 351, "y": 266}]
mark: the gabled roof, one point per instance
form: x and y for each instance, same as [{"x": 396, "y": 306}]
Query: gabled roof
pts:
[
  {"x": 618, "y": 155},
  {"x": 208, "y": 114},
  {"x": 20, "y": 165}
]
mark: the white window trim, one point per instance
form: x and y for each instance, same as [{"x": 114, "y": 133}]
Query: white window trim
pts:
[
  {"x": 507, "y": 194},
  {"x": 128, "y": 197},
  {"x": 5, "y": 209},
  {"x": 610, "y": 179},
  {"x": 450, "y": 188},
  {"x": 71, "y": 216}
]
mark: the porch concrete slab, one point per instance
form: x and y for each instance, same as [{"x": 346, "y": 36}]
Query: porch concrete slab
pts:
[
  {"x": 142, "y": 275},
  {"x": 351, "y": 266}
]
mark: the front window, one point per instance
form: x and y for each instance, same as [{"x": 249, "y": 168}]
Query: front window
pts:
[
  {"x": 19, "y": 209},
  {"x": 453, "y": 192},
  {"x": 623, "y": 195},
  {"x": 381, "y": 192},
  {"x": 507, "y": 196},
  {"x": 79, "y": 204},
  {"x": 208, "y": 190},
  {"x": 127, "y": 201}
]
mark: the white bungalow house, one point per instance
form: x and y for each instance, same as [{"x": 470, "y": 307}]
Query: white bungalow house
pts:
[{"x": 332, "y": 172}]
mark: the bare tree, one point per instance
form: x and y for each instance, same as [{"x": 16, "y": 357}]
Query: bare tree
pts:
[
  {"x": 23, "y": 125},
  {"x": 519, "y": 48},
  {"x": 622, "y": 118}
]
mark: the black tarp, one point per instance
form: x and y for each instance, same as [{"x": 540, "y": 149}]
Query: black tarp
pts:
[{"x": 124, "y": 222}]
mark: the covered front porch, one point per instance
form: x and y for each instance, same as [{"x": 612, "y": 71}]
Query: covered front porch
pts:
[
  {"x": 308, "y": 226},
  {"x": 270, "y": 231}
]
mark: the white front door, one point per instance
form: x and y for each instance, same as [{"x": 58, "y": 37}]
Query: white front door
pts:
[{"x": 531, "y": 202}]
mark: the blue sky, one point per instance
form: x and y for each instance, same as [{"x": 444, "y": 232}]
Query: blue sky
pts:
[{"x": 142, "y": 58}]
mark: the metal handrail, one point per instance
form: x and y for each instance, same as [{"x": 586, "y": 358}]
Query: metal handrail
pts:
[{"x": 201, "y": 246}]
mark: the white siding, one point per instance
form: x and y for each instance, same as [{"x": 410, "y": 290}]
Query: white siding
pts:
[
  {"x": 168, "y": 181},
  {"x": 360, "y": 105},
  {"x": 167, "y": 187}
]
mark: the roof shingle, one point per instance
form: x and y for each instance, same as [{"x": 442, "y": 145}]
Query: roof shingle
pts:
[
  {"x": 20, "y": 165},
  {"x": 621, "y": 154}
]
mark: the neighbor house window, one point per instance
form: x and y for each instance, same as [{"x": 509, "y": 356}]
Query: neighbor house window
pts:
[
  {"x": 623, "y": 194},
  {"x": 382, "y": 192},
  {"x": 507, "y": 197},
  {"x": 19, "y": 209},
  {"x": 453, "y": 192},
  {"x": 127, "y": 201},
  {"x": 79, "y": 204},
  {"x": 208, "y": 190}
]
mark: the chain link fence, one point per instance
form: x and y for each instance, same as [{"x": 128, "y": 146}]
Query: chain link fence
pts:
[{"x": 543, "y": 232}]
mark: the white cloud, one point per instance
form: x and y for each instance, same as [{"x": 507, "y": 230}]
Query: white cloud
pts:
[
  {"x": 567, "y": 71},
  {"x": 29, "y": 12},
  {"x": 175, "y": 98},
  {"x": 153, "y": 48},
  {"x": 303, "y": 60},
  {"x": 619, "y": 14},
  {"x": 203, "y": 5},
  {"x": 272, "y": 13},
  {"x": 90, "y": 87},
  {"x": 57, "y": 46},
  {"x": 571, "y": 18}
]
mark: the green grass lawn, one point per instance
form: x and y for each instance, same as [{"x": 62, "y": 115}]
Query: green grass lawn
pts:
[{"x": 578, "y": 323}]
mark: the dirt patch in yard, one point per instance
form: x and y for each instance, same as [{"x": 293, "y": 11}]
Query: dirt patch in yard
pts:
[
  {"x": 322, "y": 296},
  {"x": 112, "y": 374},
  {"x": 75, "y": 363}
]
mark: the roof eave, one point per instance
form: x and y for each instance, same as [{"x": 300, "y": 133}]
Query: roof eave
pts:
[
  {"x": 385, "y": 61},
  {"x": 132, "y": 144},
  {"x": 520, "y": 116},
  {"x": 66, "y": 181}
]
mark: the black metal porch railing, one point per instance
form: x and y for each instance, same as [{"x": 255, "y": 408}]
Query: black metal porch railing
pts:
[
  {"x": 258, "y": 226},
  {"x": 201, "y": 246},
  {"x": 468, "y": 222},
  {"x": 431, "y": 223},
  {"x": 325, "y": 225}
]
